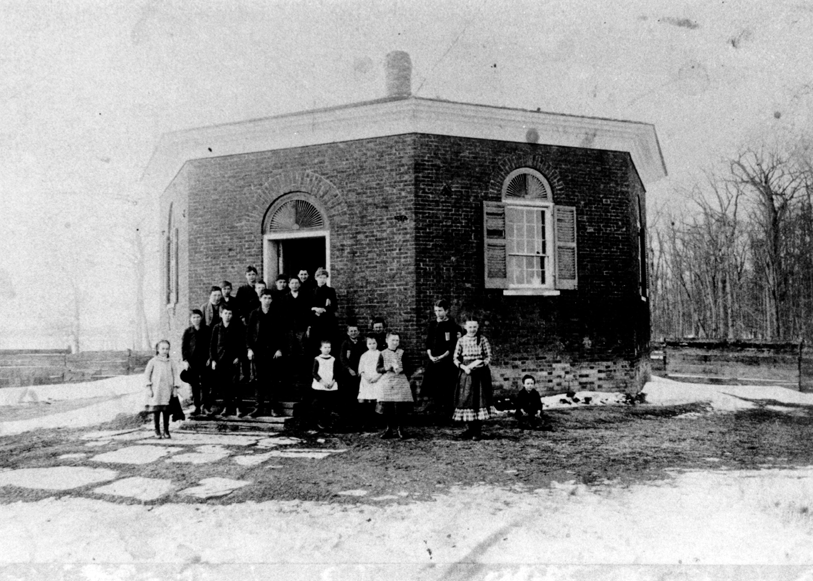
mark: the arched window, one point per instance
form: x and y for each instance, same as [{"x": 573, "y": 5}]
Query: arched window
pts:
[
  {"x": 171, "y": 277},
  {"x": 530, "y": 243},
  {"x": 296, "y": 236}
]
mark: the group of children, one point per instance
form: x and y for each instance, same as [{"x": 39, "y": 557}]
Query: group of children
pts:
[{"x": 267, "y": 336}]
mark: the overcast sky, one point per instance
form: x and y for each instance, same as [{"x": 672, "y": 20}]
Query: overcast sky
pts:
[{"x": 87, "y": 88}]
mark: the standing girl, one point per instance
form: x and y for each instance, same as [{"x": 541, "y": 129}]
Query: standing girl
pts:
[
  {"x": 368, "y": 386},
  {"x": 472, "y": 356},
  {"x": 161, "y": 375},
  {"x": 324, "y": 386},
  {"x": 394, "y": 395}
]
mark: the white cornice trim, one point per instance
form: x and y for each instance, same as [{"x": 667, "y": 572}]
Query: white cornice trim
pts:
[{"x": 404, "y": 116}]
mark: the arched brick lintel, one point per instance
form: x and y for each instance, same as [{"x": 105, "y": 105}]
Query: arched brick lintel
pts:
[
  {"x": 326, "y": 196},
  {"x": 518, "y": 160}
]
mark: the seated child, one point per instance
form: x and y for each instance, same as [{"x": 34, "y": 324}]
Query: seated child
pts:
[
  {"x": 528, "y": 399},
  {"x": 368, "y": 386},
  {"x": 395, "y": 393},
  {"x": 324, "y": 385}
]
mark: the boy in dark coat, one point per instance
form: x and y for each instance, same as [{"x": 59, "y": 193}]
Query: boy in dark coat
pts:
[
  {"x": 265, "y": 341},
  {"x": 297, "y": 310},
  {"x": 227, "y": 349},
  {"x": 351, "y": 351},
  {"x": 195, "y": 353},
  {"x": 211, "y": 308},
  {"x": 280, "y": 289},
  {"x": 226, "y": 289},
  {"x": 246, "y": 297}
]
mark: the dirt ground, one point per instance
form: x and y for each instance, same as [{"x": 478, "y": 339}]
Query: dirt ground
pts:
[
  {"x": 717, "y": 489},
  {"x": 618, "y": 444}
]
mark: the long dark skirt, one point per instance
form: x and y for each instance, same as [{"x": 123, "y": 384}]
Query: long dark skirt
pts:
[
  {"x": 473, "y": 396},
  {"x": 439, "y": 380}
]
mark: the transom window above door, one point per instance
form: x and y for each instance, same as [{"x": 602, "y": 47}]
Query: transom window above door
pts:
[
  {"x": 296, "y": 236},
  {"x": 294, "y": 214}
]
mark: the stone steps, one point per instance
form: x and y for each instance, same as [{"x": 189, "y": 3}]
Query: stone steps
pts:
[
  {"x": 207, "y": 424},
  {"x": 234, "y": 424}
]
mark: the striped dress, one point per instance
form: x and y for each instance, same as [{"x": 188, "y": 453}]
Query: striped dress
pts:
[{"x": 473, "y": 393}]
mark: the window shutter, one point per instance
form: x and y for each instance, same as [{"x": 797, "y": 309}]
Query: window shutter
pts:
[
  {"x": 176, "y": 277},
  {"x": 494, "y": 249},
  {"x": 168, "y": 268},
  {"x": 565, "y": 237}
]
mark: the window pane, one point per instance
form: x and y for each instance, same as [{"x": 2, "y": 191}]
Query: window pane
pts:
[{"x": 526, "y": 246}]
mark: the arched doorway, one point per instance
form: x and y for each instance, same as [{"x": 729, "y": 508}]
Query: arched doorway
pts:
[{"x": 296, "y": 235}]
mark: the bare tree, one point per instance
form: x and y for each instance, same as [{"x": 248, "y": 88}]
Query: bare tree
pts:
[
  {"x": 738, "y": 264},
  {"x": 772, "y": 183}
]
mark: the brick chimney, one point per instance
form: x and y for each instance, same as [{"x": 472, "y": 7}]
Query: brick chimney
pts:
[{"x": 398, "y": 69}]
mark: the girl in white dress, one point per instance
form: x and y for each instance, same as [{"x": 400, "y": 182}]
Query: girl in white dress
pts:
[{"x": 368, "y": 386}]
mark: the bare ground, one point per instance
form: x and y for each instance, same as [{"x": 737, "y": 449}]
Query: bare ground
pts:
[{"x": 620, "y": 445}]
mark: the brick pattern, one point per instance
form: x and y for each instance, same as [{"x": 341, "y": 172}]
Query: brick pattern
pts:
[
  {"x": 592, "y": 327},
  {"x": 405, "y": 217},
  {"x": 558, "y": 376},
  {"x": 366, "y": 191},
  {"x": 175, "y": 318}
]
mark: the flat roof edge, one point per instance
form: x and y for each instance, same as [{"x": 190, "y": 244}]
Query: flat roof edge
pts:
[{"x": 389, "y": 117}]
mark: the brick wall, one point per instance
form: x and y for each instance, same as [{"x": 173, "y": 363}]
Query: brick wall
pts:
[
  {"x": 175, "y": 316},
  {"x": 405, "y": 219},
  {"x": 589, "y": 337},
  {"x": 366, "y": 188}
]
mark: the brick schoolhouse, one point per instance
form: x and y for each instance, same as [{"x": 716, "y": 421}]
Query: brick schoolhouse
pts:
[{"x": 534, "y": 221}]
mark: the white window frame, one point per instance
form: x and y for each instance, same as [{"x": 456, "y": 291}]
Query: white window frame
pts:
[{"x": 547, "y": 288}]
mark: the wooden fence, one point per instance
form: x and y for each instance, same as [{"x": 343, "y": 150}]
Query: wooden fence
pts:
[
  {"x": 22, "y": 367},
  {"x": 756, "y": 362}
]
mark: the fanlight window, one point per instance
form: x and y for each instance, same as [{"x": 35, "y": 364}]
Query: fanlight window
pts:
[
  {"x": 527, "y": 184},
  {"x": 295, "y": 214},
  {"x": 530, "y": 243}
]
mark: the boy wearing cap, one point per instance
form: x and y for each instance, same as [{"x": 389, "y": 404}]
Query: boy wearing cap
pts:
[
  {"x": 211, "y": 308},
  {"x": 280, "y": 289},
  {"x": 195, "y": 353}
]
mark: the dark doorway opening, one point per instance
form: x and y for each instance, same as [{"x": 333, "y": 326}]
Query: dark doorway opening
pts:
[
  {"x": 299, "y": 253},
  {"x": 289, "y": 255}
]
